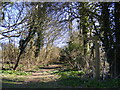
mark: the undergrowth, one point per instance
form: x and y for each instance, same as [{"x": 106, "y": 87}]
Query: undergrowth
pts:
[
  {"x": 70, "y": 74},
  {"x": 15, "y": 72},
  {"x": 76, "y": 79},
  {"x": 90, "y": 83}
]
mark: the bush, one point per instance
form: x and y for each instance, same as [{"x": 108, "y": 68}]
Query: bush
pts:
[{"x": 73, "y": 56}]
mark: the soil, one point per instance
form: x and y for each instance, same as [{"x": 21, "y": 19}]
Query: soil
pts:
[{"x": 44, "y": 75}]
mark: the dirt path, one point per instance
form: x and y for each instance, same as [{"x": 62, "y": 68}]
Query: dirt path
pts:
[{"x": 45, "y": 74}]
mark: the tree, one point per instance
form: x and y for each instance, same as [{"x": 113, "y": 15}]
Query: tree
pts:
[
  {"x": 35, "y": 28},
  {"x": 110, "y": 35},
  {"x": 117, "y": 42}
]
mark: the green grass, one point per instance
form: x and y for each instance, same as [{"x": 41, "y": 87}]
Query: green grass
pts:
[
  {"x": 15, "y": 72},
  {"x": 90, "y": 83},
  {"x": 13, "y": 80},
  {"x": 68, "y": 79},
  {"x": 63, "y": 83},
  {"x": 76, "y": 79},
  {"x": 70, "y": 74}
]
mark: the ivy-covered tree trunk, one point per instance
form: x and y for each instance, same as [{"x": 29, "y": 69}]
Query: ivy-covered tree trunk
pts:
[
  {"x": 111, "y": 36},
  {"x": 83, "y": 25},
  {"x": 35, "y": 28},
  {"x": 105, "y": 25},
  {"x": 40, "y": 18},
  {"x": 105, "y": 28}
]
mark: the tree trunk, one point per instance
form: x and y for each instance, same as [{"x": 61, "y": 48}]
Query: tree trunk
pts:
[
  {"x": 97, "y": 60},
  {"x": 117, "y": 35},
  {"x": 18, "y": 59},
  {"x": 23, "y": 46}
]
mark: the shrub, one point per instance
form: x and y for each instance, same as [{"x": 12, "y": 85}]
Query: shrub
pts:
[{"x": 73, "y": 55}]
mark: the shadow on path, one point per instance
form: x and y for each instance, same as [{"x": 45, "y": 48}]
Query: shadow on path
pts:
[{"x": 7, "y": 83}]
